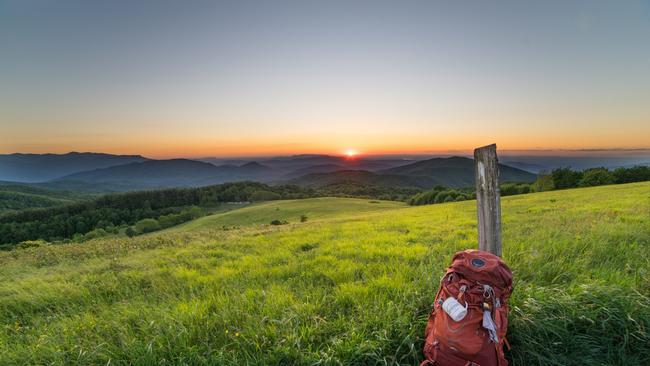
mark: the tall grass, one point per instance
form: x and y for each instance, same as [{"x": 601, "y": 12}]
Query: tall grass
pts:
[{"x": 352, "y": 287}]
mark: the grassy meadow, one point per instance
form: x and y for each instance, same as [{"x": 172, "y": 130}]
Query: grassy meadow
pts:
[
  {"x": 314, "y": 209},
  {"x": 351, "y": 285}
]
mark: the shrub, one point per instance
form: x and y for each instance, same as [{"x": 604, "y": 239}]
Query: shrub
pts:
[
  {"x": 596, "y": 177},
  {"x": 147, "y": 225},
  {"x": 103, "y": 224},
  {"x": 303, "y": 218},
  {"x": 565, "y": 178},
  {"x": 543, "y": 183},
  {"x": 444, "y": 195},
  {"x": 195, "y": 212},
  {"x": 634, "y": 174},
  {"x": 130, "y": 232},
  {"x": 264, "y": 196},
  {"x": 31, "y": 244},
  {"x": 168, "y": 220},
  {"x": 509, "y": 189},
  {"x": 279, "y": 222},
  {"x": 439, "y": 194},
  {"x": 423, "y": 198},
  {"x": 112, "y": 229},
  {"x": 97, "y": 233}
]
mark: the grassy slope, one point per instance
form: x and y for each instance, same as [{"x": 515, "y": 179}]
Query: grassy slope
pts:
[
  {"x": 345, "y": 289},
  {"x": 291, "y": 210}
]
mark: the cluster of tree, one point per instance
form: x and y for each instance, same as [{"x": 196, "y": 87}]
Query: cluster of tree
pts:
[
  {"x": 108, "y": 214},
  {"x": 566, "y": 178},
  {"x": 248, "y": 192},
  {"x": 14, "y": 197},
  {"x": 10, "y": 201},
  {"x": 560, "y": 178},
  {"x": 148, "y": 225},
  {"x": 509, "y": 189},
  {"x": 360, "y": 190},
  {"x": 440, "y": 194}
]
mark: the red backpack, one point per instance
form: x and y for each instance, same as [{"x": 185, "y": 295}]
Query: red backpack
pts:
[{"x": 477, "y": 284}]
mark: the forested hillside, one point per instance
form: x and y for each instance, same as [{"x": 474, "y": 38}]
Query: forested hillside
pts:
[
  {"x": 15, "y": 197},
  {"x": 120, "y": 210}
]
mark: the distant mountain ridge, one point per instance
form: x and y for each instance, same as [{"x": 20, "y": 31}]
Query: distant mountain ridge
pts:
[
  {"x": 290, "y": 166},
  {"x": 43, "y": 167},
  {"x": 132, "y": 172},
  {"x": 322, "y": 168},
  {"x": 316, "y": 180},
  {"x": 455, "y": 172},
  {"x": 169, "y": 173}
]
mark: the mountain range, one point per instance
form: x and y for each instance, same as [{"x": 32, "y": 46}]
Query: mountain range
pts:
[
  {"x": 169, "y": 173},
  {"x": 185, "y": 172},
  {"x": 97, "y": 172},
  {"x": 43, "y": 167},
  {"x": 455, "y": 172},
  {"x": 124, "y": 173}
]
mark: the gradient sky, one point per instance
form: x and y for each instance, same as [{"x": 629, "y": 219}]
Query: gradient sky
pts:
[{"x": 218, "y": 78}]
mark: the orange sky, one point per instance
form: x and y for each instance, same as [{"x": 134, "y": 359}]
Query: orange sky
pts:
[
  {"x": 206, "y": 146},
  {"x": 235, "y": 79}
]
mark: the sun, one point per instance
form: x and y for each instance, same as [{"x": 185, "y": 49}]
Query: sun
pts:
[{"x": 350, "y": 153}]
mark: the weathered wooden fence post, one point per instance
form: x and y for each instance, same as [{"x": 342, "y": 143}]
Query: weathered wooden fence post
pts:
[{"x": 488, "y": 201}]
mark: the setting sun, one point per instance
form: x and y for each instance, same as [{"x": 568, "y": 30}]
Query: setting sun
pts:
[{"x": 283, "y": 182}]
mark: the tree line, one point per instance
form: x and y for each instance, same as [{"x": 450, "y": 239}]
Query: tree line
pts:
[
  {"x": 560, "y": 178},
  {"x": 361, "y": 190},
  {"x": 564, "y": 178},
  {"x": 146, "y": 211},
  {"x": 113, "y": 211},
  {"x": 441, "y": 194}
]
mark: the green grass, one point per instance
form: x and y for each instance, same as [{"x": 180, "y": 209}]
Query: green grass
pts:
[
  {"x": 353, "y": 285},
  {"x": 290, "y": 210}
]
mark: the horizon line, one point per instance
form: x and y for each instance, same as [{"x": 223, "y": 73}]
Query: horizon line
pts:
[{"x": 359, "y": 154}]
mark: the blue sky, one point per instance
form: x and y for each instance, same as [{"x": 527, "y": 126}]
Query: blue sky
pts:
[{"x": 191, "y": 78}]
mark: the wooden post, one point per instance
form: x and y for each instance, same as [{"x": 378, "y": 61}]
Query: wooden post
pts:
[{"x": 488, "y": 200}]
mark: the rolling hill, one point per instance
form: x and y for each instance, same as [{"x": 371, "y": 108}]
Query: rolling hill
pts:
[
  {"x": 314, "y": 169},
  {"x": 169, "y": 173},
  {"x": 455, "y": 172},
  {"x": 328, "y": 170},
  {"x": 43, "y": 167},
  {"x": 315, "y": 209},
  {"x": 14, "y": 197},
  {"x": 296, "y": 165},
  {"x": 353, "y": 285},
  {"x": 293, "y": 163},
  {"x": 316, "y": 180},
  {"x": 90, "y": 172}
]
